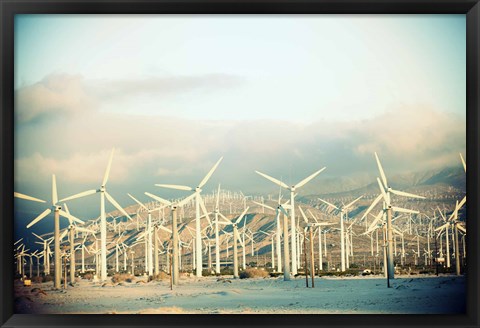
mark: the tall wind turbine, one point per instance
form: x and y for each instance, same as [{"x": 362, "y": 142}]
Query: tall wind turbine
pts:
[
  {"x": 103, "y": 221},
  {"x": 46, "y": 252},
  {"x": 292, "y": 189},
  {"x": 278, "y": 233},
  {"x": 175, "y": 243},
  {"x": 343, "y": 213},
  {"x": 386, "y": 190},
  {"x": 72, "y": 229},
  {"x": 236, "y": 237},
  {"x": 57, "y": 210},
  {"x": 149, "y": 235},
  {"x": 198, "y": 203}
]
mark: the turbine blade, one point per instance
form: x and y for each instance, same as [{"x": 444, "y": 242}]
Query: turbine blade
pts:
[
  {"x": 107, "y": 171},
  {"x": 303, "y": 215},
  {"x": 114, "y": 203},
  {"x": 54, "y": 190},
  {"x": 185, "y": 200},
  {"x": 178, "y": 187},
  {"x": 224, "y": 223},
  {"x": 462, "y": 229},
  {"x": 161, "y": 200},
  {"x": 443, "y": 226},
  {"x": 70, "y": 217},
  {"x": 283, "y": 210},
  {"x": 329, "y": 204},
  {"x": 225, "y": 218},
  {"x": 463, "y": 163},
  {"x": 278, "y": 182},
  {"x": 23, "y": 196},
  {"x": 314, "y": 217},
  {"x": 263, "y": 205},
  {"x": 209, "y": 174},
  {"x": 441, "y": 214},
  {"x": 241, "y": 216},
  {"x": 404, "y": 210},
  {"x": 38, "y": 218},
  {"x": 374, "y": 223},
  {"x": 204, "y": 209},
  {"x": 136, "y": 201},
  {"x": 81, "y": 194},
  {"x": 37, "y": 236},
  {"x": 166, "y": 229},
  {"x": 350, "y": 204},
  {"x": 84, "y": 230},
  {"x": 64, "y": 233},
  {"x": 462, "y": 202},
  {"x": 382, "y": 174},
  {"x": 406, "y": 194},
  {"x": 240, "y": 239},
  {"x": 307, "y": 179}
]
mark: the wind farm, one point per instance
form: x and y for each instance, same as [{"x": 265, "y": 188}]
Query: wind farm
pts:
[
  {"x": 247, "y": 249},
  {"x": 231, "y": 174}
]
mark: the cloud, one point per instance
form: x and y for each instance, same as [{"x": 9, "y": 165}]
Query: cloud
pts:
[
  {"x": 119, "y": 89},
  {"x": 66, "y": 94},
  {"x": 58, "y": 94},
  {"x": 158, "y": 149}
]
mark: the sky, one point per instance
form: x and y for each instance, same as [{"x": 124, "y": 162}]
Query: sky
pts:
[{"x": 282, "y": 94}]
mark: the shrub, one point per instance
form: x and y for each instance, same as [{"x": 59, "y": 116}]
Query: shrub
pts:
[
  {"x": 37, "y": 279},
  {"x": 119, "y": 277},
  {"x": 47, "y": 278},
  {"x": 162, "y": 276},
  {"x": 226, "y": 271},
  {"x": 253, "y": 273},
  {"x": 207, "y": 272},
  {"x": 88, "y": 276}
]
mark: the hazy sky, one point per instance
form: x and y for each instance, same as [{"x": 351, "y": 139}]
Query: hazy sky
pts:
[{"x": 285, "y": 95}]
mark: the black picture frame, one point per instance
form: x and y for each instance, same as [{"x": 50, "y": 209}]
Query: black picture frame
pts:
[{"x": 9, "y": 8}]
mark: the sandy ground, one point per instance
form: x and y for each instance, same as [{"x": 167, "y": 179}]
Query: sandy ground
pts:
[{"x": 331, "y": 295}]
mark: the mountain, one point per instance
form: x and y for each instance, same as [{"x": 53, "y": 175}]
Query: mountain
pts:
[{"x": 451, "y": 179}]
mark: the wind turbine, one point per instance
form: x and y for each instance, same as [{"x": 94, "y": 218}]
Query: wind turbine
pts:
[
  {"x": 149, "y": 236},
  {"x": 278, "y": 234},
  {"x": 38, "y": 256},
  {"x": 343, "y": 213},
  {"x": 103, "y": 221},
  {"x": 386, "y": 190},
  {"x": 292, "y": 189},
  {"x": 72, "y": 229},
  {"x": 174, "y": 231},
  {"x": 57, "y": 210},
  {"x": 198, "y": 203},
  {"x": 235, "y": 238},
  {"x": 319, "y": 229},
  {"x": 217, "y": 241},
  {"x": 453, "y": 219},
  {"x": 46, "y": 252},
  {"x": 271, "y": 234}
]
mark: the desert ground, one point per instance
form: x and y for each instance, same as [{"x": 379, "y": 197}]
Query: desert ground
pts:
[{"x": 418, "y": 294}]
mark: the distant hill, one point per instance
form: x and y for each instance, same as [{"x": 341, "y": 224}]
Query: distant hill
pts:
[{"x": 443, "y": 179}]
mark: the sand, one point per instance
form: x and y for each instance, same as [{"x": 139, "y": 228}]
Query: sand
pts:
[{"x": 419, "y": 294}]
